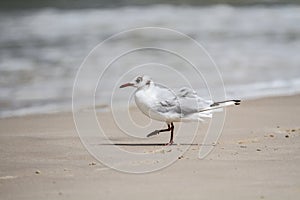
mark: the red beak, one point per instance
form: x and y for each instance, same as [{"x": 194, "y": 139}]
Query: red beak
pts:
[{"x": 126, "y": 85}]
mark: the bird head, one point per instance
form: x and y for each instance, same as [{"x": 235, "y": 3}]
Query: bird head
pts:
[{"x": 139, "y": 82}]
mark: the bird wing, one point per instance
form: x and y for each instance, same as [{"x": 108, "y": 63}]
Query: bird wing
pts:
[
  {"x": 185, "y": 101},
  {"x": 166, "y": 100},
  {"x": 186, "y": 92},
  {"x": 190, "y": 102}
]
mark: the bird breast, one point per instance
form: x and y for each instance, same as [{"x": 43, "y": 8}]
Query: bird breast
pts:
[{"x": 144, "y": 101}]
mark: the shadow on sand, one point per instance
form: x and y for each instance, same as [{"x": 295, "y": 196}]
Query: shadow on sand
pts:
[{"x": 151, "y": 144}]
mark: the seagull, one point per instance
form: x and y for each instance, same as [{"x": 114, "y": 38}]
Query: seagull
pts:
[{"x": 163, "y": 104}]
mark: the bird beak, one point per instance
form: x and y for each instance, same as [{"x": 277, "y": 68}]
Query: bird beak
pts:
[{"x": 126, "y": 85}]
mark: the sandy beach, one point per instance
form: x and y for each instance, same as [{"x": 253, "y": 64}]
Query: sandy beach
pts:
[{"x": 257, "y": 157}]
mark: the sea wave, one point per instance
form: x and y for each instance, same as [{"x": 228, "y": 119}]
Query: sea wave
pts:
[{"x": 255, "y": 47}]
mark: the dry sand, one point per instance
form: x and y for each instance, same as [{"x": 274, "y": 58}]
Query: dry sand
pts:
[{"x": 257, "y": 157}]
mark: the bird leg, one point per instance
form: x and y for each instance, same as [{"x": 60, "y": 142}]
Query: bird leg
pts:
[
  {"x": 156, "y": 132},
  {"x": 170, "y": 128},
  {"x": 172, "y": 131}
]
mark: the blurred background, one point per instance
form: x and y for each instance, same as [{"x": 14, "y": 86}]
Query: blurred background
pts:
[{"x": 255, "y": 43}]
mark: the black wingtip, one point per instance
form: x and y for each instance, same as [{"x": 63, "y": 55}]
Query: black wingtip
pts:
[
  {"x": 237, "y": 102},
  {"x": 214, "y": 104}
]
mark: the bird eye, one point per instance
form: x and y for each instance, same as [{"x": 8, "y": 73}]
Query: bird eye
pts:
[{"x": 139, "y": 79}]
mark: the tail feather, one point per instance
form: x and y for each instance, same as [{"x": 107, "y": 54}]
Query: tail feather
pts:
[{"x": 221, "y": 104}]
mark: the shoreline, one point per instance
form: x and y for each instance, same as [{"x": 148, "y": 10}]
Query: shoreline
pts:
[
  {"x": 257, "y": 157},
  {"x": 104, "y": 107}
]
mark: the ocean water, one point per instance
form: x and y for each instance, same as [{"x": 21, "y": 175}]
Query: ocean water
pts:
[{"x": 256, "y": 49}]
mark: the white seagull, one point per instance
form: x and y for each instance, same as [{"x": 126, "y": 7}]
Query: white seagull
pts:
[{"x": 163, "y": 104}]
